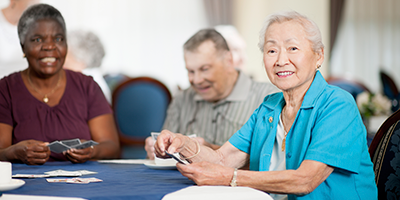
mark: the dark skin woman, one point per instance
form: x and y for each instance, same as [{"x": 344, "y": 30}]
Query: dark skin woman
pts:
[{"x": 43, "y": 42}]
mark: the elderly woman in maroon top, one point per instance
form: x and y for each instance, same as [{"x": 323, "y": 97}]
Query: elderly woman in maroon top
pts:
[{"x": 44, "y": 103}]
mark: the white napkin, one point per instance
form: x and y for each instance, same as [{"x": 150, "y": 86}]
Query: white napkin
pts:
[{"x": 217, "y": 193}]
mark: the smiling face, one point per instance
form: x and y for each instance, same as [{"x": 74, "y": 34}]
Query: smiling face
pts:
[
  {"x": 210, "y": 73},
  {"x": 289, "y": 59},
  {"x": 45, "y": 47}
]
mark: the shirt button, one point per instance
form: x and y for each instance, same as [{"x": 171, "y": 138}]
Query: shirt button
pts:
[{"x": 270, "y": 119}]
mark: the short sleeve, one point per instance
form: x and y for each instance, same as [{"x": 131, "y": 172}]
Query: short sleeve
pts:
[
  {"x": 5, "y": 103},
  {"x": 339, "y": 136},
  {"x": 97, "y": 102}
]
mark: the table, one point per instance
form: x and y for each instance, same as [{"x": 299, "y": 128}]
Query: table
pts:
[{"x": 120, "y": 181}]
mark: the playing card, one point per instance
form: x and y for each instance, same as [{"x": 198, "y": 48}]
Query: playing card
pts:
[
  {"x": 154, "y": 135},
  {"x": 78, "y": 180},
  {"x": 30, "y": 175},
  {"x": 85, "y": 145},
  {"x": 74, "y": 180},
  {"x": 71, "y": 142},
  {"x": 86, "y": 172},
  {"x": 56, "y": 180},
  {"x": 178, "y": 158},
  {"x": 61, "y": 172},
  {"x": 92, "y": 180},
  {"x": 58, "y": 147}
]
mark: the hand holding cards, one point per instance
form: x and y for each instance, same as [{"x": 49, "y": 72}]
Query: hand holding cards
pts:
[
  {"x": 64, "y": 145},
  {"x": 177, "y": 157}
]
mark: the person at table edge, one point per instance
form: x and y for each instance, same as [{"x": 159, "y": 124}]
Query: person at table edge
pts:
[
  {"x": 44, "y": 103},
  {"x": 308, "y": 141},
  {"x": 220, "y": 98}
]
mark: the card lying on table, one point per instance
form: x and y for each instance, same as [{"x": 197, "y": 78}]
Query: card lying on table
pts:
[
  {"x": 31, "y": 175},
  {"x": 64, "y": 145},
  {"x": 74, "y": 180},
  {"x": 60, "y": 172}
]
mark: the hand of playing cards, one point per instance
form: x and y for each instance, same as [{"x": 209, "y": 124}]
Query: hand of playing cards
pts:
[{"x": 64, "y": 145}]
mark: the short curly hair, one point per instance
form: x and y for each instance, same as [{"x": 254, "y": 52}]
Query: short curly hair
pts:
[{"x": 35, "y": 13}]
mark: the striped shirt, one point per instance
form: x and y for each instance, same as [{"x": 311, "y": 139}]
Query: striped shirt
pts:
[{"x": 189, "y": 114}]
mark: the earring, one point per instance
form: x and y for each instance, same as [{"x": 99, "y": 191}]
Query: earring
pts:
[{"x": 23, "y": 55}]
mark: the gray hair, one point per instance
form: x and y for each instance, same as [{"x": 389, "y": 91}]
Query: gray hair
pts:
[
  {"x": 310, "y": 27},
  {"x": 86, "y": 47},
  {"x": 204, "y": 35},
  {"x": 35, "y": 13}
]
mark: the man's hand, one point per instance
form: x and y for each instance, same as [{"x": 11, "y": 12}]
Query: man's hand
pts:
[{"x": 149, "y": 147}]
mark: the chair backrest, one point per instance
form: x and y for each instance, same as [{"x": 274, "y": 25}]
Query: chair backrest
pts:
[
  {"x": 385, "y": 155},
  {"x": 389, "y": 87},
  {"x": 351, "y": 86},
  {"x": 140, "y": 106},
  {"x": 390, "y": 90}
]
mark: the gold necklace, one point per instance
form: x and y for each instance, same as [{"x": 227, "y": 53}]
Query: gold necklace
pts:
[
  {"x": 45, "y": 98},
  {"x": 285, "y": 134}
]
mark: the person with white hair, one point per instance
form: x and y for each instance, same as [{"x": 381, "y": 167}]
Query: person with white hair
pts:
[
  {"x": 236, "y": 45},
  {"x": 306, "y": 142},
  {"x": 85, "y": 55}
]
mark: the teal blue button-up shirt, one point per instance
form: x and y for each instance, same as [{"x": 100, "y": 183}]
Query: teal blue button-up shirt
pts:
[{"x": 328, "y": 128}]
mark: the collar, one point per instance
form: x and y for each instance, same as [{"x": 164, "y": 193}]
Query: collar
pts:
[
  {"x": 239, "y": 92},
  {"x": 317, "y": 86}
]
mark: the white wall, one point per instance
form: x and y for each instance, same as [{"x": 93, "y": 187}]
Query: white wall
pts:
[
  {"x": 145, "y": 37},
  {"x": 249, "y": 17}
]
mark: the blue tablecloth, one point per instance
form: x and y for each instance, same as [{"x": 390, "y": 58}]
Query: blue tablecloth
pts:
[{"x": 120, "y": 181}]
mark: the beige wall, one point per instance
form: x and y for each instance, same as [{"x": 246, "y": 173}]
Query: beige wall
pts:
[{"x": 249, "y": 16}]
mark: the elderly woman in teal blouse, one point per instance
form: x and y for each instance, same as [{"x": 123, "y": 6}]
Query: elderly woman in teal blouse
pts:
[{"x": 307, "y": 142}]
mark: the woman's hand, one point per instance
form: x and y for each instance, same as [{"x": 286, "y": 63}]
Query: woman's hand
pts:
[
  {"x": 79, "y": 155},
  {"x": 205, "y": 173},
  {"x": 31, "y": 152}
]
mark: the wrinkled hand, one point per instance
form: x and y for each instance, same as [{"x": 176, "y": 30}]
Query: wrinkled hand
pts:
[
  {"x": 79, "y": 155},
  {"x": 172, "y": 142},
  {"x": 149, "y": 147},
  {"x": 205, "y": 173},
  {"x": 31, "y": 152}
]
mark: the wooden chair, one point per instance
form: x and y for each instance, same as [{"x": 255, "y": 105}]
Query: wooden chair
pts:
[
  {"x": 139, "y": 106},
  {"x": 385, "y": 155}
]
